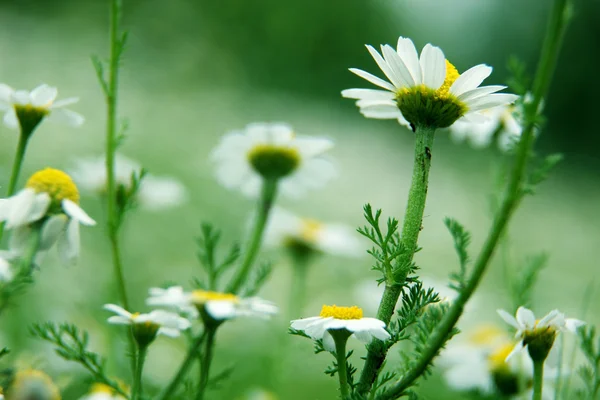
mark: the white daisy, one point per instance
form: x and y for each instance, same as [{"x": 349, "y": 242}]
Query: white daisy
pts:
[
  {"x": 29, "y": 108},
  {"x": 100, "y": 391},
  {"x": 529, "y": 330},
  {"x": 272, "y": 151},
  {"x": 161, "y": 322},
  {"x": 337, "y": 318},
  {"x": 295, "y": 233},
  {"x": 425, "y": 90},
  {"x": 6, "y": 273},
  {"x": 51, "y": 198},
  {"x": 219, "y": 306},
  {"x": 154, "y": 193}
]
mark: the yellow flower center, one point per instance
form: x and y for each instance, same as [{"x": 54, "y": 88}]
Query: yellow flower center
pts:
[
  {"x": 334, "y": 311},
  {"x": 273, "y": 162},
  {"x": 486, "y": 335},
  {"x": 202, "y": 296},
  {"x": 497, "y": 358},
  {"x": 310, "y": 229},
  {"x": 33, "y": 384},
  {"x": 451, "y": 75},
  {"x": 56, "y": 183},
  {"x": 102, "y": 388}
]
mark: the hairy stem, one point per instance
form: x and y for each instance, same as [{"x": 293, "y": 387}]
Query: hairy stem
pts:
[
  {"x": 268, "y": 193},
  {"x": 340, "y": 354},
  {"x": 206, "y": 360},
  {"x": 410, "y": 235}
]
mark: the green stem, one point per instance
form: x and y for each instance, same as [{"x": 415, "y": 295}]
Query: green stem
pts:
[
  {"x": 410, "y": 235},
  {"x": 300, "y": 266},
  {"x": 205, "y": 362},
  {"x": 269, "y": 191},
  {"x": 538, "y": 380},
  {"x": 136, "y": 392},
  {"x": 171, "y": 388},
  {"x": 512, "y": 197},
  {"x": 340, "y": 354}
]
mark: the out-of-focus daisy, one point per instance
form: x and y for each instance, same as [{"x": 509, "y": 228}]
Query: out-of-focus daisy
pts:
[
  {"x": 334, "y": 318},
  {"x": 50, "y": 202},
  {"x": 272, "y": 151},
  {"x": 147, "y": 326},
  {"x": 538, "y": 335},
  {"x": 218, "y": 306},
  {"x": 425, "y": 90},
  {"x": 500, "y": 124},
  {"x": 100, "y": 391},
  {"x": 32, "y": 384},
  {"x": 260, "y": 394},
  {"x": 304, "y": 235},
  {"x": 27, "y": 109},
  {"x": 6, "y": 273},
  {"x": 154, "y": 193}
]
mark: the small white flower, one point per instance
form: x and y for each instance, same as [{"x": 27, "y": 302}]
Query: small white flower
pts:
[
  {"x": 49, "y": 196},
  {"x": 528, "y": 327},
  {"x": 6, "y": 273},
  {"x": 154, "y": 193},
  {"x": 500, "y": 120},
  {"x": 168, "y": 323},
  {"x": 288, "y": 230},
  {"x": 425, "y": 90},
  {"x": 243, "y": 159},
  {"x": 219, "y": 306},
  {"x": 337, "y": 318},
  {"x": 100, "y": 391},
  {"x": 41, "y": 100}
]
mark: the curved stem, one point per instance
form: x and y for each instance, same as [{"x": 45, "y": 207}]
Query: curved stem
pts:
[
  {"x": 206, "y": 360},
  {"x": 170, "y": 390},
  {"x": 538, "y": 380},
  {"x": 410, "y": 235},
  {"x": 340, "y": 354},
  {"x": 136, "y": 392},
  {"x": 268, "y": 193}
]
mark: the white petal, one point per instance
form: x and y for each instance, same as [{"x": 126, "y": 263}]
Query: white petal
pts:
[
  {"x": 407, "y": 51},
  {"x": 64, "y": 102},
  {"x": 19, "y": 239},
  {"x": 21, "y": 97},
  {"x": 386, "y": 67},
  {"x": 373, "y": 79},
  {"x": 52, "y": 229},
  {"x": 66, "y": 117},
  {"x": 221, "y": 309},
  {"x": 10, "y": 119},
  {"x": 470, "y": 79},
  {"x": 399, "y": 69},
  {"x": 43, "y": 95},
  {"x": 328, "y": 342},
  {"x": 367, "y": 94},
  {"x": 69, "y": 244},
  {"x": 40, "y": 207},
  {"x": 433, "y": 65},
  {"x": 170, "y": 332},
  {"x": 311, "y": 147},
  {"x": 301, "y": 324},
  {"x": 480, "y": 91},
  {"x": 117, "y": 310},
  {"x": 571, "y": 324},
  {"x": 118, "y": 320},
  {"x": 525, "y": 318},
  {"x": 518, "y": 347},
  {"x": 380, "y": 333},
  {"x": 77, "y": 213},
  {"x": 364, "y": 336},
  {"x": 5, "y": 93},
  {"x": 21, "y": 206},
  {"x": 509, "y": 319},
  {"x": 381, "y": 112},
  {"x": 491, "y": 100}
]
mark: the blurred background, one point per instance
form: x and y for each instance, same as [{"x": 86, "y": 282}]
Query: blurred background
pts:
[{"x": 196, "y": 69}]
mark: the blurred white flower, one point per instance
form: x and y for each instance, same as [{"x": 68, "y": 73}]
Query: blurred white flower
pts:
[
  {"x": 163, "y": 322},
  {"x": 154, "y": 193},
  {"x": 219, "y": 306},
  {"x": 49, "y": 195},
  {"x": 39, "y": 103},
  {"x": 288, "y": 230},
  {"x": 338, "y": 318},
  {"x": 32, "y": 384},
  {"x": 244, "y": 158},
  {"x": 425, "y": 90},
  {"x": 528, "y": 327},
  {"x": 500, "y": 122},
  {"x": 100, "y": 391},
  {"x": 6, "y": 273},
  {"x": 260, "y": 394}
]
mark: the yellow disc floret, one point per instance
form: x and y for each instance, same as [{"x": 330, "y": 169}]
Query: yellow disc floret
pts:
[
  {"x": 273, "y": 162},
  {"x": 451, "y": 75},
  {"x": 56, "y": 183},
  {"x": 309, "y": 231},
  {"x": 334, "y": 311},
  {"x": 202, "y": 296},
  {"x": 497, "y": 358}
]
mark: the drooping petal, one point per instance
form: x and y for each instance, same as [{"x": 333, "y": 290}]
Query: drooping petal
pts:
[
  {"x": 518, "y": 347},
  {"x": 373, "y": 79},
  {"x": 39, "y": 207},
  {"x": 470, "y": 79},
  {"x": 117, "y": 310},
  {"x": 119, "y": 320},
  {"x": 364, "y": 336},
  {"x": 52, "y": 229},
  {"x": 77, "y": 213},
  {"x": 367, "y": 94},
  {"x": 433, "y": 65},
  {"x": 69, "y": 244},
  {"x": 328, "y": 342},
  {"x": 10, "y": 119},
  {"x": 20, "y": 209},
  {"x": 571, "y": 324},
  {"x": 66, "y": 117},
  {"x": 508, "y": 318}
]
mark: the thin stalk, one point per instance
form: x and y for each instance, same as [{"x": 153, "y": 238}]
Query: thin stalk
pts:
[
  {"x": 512, "y": 197},
  {"x": 205, "y": 362},
  {"x": 171, "y": 388},
  {"x": 136, "y": 392},
  {"x": 410, "y": 235},
  {"x": 267, "y": 197},
  {"x": 538, "y": 380},
  {"x": 300, "y": 266},
  {"x": 340, "y": 354}
]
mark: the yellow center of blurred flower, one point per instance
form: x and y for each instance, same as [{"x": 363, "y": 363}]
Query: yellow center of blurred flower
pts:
[
  {"x": 334, "y": 311},
  {"x": 486, "y": 335},
  {"x": 102, "y": 388},
  {"x": 202, "y": 296},
  {"x": 310, "y": 229},
  {"x": 497, "y": 358},
  {"x": 32, "y": 384},
  {"x": 273, "y": 162},
  {"x": 56, "y": 183}
]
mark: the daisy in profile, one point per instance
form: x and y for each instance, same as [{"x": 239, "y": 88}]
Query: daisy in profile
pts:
[
  {"x": 214, "y": 305},
  {"x": 154, "y": 193},
  {"x": 28, "y": 109},
  {"x": 49, "y": 202},
  {"x": 306, "y": 235},
  {"x": 100, "y": 391},
  {"x": 272, "y": 152},
  {"x": 425, "y": 90},
  {"x": 32, "y": 384},
  {"x": 347, "y": 320}
]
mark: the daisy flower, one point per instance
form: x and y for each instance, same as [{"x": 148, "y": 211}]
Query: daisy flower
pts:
[
  {"x": 50, "y": 202},
  {"x": 100, "y": 391},
  {"x": 6, "y": 273},
  {"x": 147, "y": 326},
  {"x": 32, "y": 384},
  {"x": 425, "y": 90},
  {"x": 303, "y": 235},
  {"x": 335, "y": 318},
  {"x": 28, "y": 109},
  {"x": 272, "y": 151},
  {"x": 218, "y": 306},
  {"x": 154, "y": 193},
  {"x": 538, "y": 335}
]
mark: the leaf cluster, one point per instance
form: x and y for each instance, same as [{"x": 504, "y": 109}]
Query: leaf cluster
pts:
[
  {"x": 214, "y": 266},
  {"x": 462, "y": 239},
  {"x": 523, "y": 277},
  {"x": 590, "y": 373}
]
